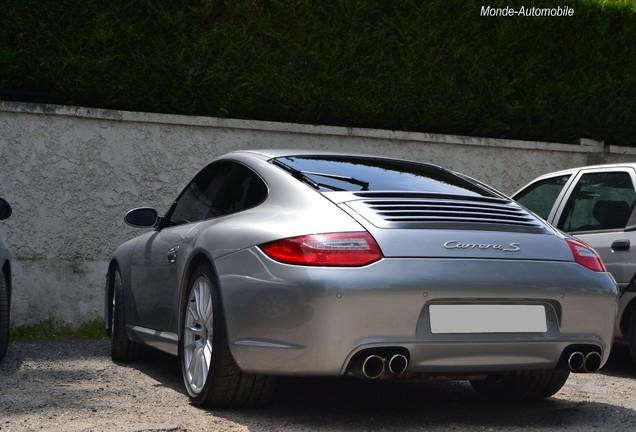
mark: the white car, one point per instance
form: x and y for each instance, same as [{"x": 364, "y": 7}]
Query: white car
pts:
[{"x": 596, "y": 205}]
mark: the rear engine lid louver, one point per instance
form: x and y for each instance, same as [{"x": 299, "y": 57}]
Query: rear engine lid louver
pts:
[{"x": 417, "y": 211}]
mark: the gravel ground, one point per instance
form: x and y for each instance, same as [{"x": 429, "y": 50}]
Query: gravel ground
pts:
[{"x": 71, "y": 385}]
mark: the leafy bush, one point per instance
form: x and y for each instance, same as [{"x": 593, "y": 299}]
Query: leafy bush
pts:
[{"x": 433, "y": 66}]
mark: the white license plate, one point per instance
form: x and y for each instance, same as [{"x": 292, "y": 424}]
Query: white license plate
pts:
[{"x": 488, "y": 319}]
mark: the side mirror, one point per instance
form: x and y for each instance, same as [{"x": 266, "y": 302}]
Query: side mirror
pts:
[
  {"x": 143, "y": 217},
  {"x": 5, "y": 209}
]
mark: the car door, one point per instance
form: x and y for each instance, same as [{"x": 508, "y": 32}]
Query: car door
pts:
[
  {"x": 599, "y": 209},
  {"x": 154, "y": 278}
]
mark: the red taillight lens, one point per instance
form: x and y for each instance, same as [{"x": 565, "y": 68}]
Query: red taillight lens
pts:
[
  {"x": 350, "y": 249},
  {"x": 586, "y": 256}
]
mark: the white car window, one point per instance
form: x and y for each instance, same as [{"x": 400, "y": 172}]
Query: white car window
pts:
[
  {"x": 600, "y": 201},
  {"x": 540, "y": 196}
]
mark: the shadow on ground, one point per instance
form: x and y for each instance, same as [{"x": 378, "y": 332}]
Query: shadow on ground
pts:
[{"x": 302, "y": 404}]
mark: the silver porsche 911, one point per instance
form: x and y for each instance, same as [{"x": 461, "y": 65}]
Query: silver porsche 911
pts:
[{"x": 273, "y": 263}]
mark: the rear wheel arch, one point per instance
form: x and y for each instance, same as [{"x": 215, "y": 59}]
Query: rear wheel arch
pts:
[{"x": 213, "y": 379}]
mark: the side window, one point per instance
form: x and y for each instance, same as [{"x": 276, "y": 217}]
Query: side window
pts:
[
  {"x": 540, "y": 197},
  {"x": 600, "y": 201},
  {"x": 219, "y": 189}
]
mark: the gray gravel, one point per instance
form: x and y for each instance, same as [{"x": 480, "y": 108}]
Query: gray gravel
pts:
[{"x": 71, "y": 385}]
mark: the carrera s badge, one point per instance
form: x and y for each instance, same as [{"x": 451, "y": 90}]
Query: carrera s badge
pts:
[{"x": 454, "y": 244}]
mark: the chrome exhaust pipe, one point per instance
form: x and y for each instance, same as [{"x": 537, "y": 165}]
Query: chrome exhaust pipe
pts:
[
  {"x": 398, "y": 364},
  {"x": 373, "y": 367},
  {"x": 576, "y": 361},
  {"x": 592, "y": 362}
]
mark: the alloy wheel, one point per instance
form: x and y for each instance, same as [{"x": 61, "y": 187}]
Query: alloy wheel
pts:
[{"x": 198, "y": 335}]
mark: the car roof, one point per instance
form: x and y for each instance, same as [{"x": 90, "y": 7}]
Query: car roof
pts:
[
  {"x": 590, "y": 167},
  {"x": 280, "y": 152}
]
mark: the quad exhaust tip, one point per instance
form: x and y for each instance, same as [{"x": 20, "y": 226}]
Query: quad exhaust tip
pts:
[
  {"x": 580, "y": 362},
  {"x": 398, "y": 364},
  {"x": 375, "y": 366}
]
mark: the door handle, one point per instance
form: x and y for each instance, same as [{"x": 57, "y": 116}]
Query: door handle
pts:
[
  {"x": 172, "y": 254},
  {"x": 620, "y": 245}
]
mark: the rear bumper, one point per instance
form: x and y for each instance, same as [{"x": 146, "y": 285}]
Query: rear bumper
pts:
[{"x": 293, "y": 320}]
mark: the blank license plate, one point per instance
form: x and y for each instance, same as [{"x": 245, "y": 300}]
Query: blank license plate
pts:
[{"x": 488, "y": 319}]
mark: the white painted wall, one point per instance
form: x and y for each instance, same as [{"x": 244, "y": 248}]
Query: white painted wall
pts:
[{"x": 71, "y": 174}]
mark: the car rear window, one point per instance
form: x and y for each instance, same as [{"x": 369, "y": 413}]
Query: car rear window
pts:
[{"x": 347, "y": 173}]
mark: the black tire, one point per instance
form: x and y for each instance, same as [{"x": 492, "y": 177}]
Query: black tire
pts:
[
  {"x": 531, "y": 386},
  {"x": 217, "y": 382},
  {"x": 5, "y": 320},
  {"x": 122, "y": 349},
  {"x": 631, "y": 334}
]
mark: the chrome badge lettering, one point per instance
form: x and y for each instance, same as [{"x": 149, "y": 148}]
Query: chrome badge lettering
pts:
[{"x": 454, "y": 244}]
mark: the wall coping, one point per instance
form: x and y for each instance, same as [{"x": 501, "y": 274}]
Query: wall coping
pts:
[{"x": 585, "y": 145}]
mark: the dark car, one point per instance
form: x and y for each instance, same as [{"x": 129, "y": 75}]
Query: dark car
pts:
[
  {"x": 596, "y": 205},
  {"x": 5, "y": 284}
]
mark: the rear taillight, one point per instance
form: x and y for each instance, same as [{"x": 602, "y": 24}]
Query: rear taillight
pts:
[
  {"x": 586, "y": 256},
  {"x": 351, "y": 249}
]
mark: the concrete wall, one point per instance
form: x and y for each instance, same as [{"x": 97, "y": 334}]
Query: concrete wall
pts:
[{"x": 72, "y": 173}]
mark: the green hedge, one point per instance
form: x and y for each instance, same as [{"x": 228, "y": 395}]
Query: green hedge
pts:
[{"x": 433, "y": 66}]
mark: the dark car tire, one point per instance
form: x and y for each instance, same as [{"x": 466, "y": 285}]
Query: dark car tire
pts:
[
  {"x": 217, "y": 382},
  {"x": 631, "y": 334},
  {"x": 5, "y": 320},
  {"x": 533, "y": 386},
  {"x": 122, "y": 349}
]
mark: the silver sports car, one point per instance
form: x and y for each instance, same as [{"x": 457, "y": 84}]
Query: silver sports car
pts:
[
  {"x": 5, "y": 284},
  {"x": 273, "y": 263}
]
